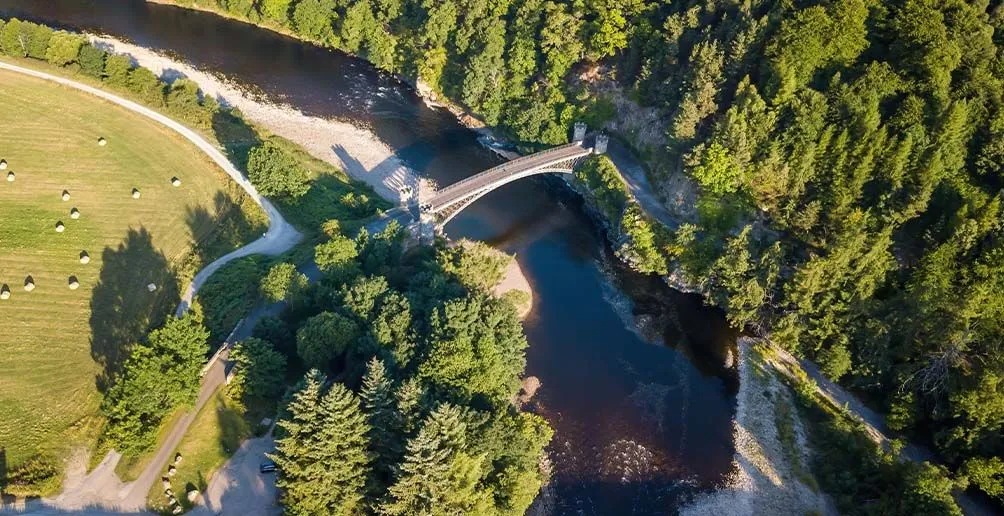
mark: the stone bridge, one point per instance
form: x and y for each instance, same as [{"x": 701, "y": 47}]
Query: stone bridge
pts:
[{"x": 444, "y": 204}]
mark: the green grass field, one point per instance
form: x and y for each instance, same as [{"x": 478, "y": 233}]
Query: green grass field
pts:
[{"x": 58, "y": 345}]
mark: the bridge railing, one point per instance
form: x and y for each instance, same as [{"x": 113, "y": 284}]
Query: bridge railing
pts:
[{"x": 514, "y": 163}]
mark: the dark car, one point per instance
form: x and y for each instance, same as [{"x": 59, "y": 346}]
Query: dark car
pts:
[{"x": 267, "y": 467}]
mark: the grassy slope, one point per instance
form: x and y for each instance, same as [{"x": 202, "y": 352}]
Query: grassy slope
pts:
[
  {"x": 214, "y": 436},
  {"x": 54, "y": 339}
]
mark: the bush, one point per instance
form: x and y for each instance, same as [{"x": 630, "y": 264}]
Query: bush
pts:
[
  {"x": 229, "y": 294},
  {"x": 92, "y": 60},
  {"x": 64, "y": 48},
  {"x": 282, "y": 282},
  {"x": 117, "y": 69},
  {"x": 183, "y": 100},
  {"x": 11, "y": 41},
  {"x": 145, "y": 84},
  {"x": 276, "y": 172},
  {"x": 38, "y": 37}
]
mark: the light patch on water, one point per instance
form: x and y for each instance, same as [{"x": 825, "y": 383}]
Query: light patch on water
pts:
[{"x": 650, "y": 398}]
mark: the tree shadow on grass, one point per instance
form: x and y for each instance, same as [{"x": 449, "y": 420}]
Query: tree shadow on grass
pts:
[
  {"x": 225, "y": 229},
  {"x": 123, "y": 309},
  {"x": 236, "y": 136}
]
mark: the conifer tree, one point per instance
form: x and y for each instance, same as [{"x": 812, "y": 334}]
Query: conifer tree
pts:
[
  {"x": 435, "y": 477},
  {"x": 379, "y": 402},
  {"x": 323, "y": 458}
]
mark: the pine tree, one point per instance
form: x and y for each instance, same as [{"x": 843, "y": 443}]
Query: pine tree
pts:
[
  {"x": 343, "y": 452},
  {"x": 323, "y": 458},
  {"x": 409, "y": 405},
  {"x": 293, "y": 453},
  {"x": 435, "y": 477},
  {"x": 379, "y": 402}
]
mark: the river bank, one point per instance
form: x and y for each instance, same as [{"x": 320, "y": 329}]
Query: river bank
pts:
[
  {"x": 353, "y": 149},
  {"x": 771, "y": 474}
]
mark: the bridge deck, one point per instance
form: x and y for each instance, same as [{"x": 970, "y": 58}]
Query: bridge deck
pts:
[{"x": 471, "y": 185}]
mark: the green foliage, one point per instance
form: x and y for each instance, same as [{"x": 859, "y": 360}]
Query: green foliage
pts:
[
  {"x": 437, "y": 475},
  {"x": 260, "y": 372},
  {"x": 987, "y": 474},
  {"x": 275, "y": 10},
  {"x": 11, "y": 41},
  {"x": 717, "y": 171},
  {"x": 159, "y": 376},
  {"x": 324, "y": 337},
  {"x": 474, "y": 264},
  {"x": 275, "y": 172},
  {"x": 336, "y": 256},
  {"x": 145, "y": 84},
  {"x": 117, "y": 70},
  {"x": 183, "y": 100},
  {"x": 63, "y": 48},
  {"x": 229, "y": 294},
  {"x": 322, "y": 457},
  {"x": 282, "y": 282},
  {"x": 313, "y": 20},
  {"x": 92, "y": 60}
]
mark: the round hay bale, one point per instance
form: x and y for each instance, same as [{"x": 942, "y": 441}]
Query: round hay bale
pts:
[
  {"x": 74, "y": 213},
  {"x": 3, "y": 164},
  {"x": 177, "y": 459},
  {"x": 193, "y": 495},
  {"x": 60, "y": 227},
  {"x": 10, "y": 177},
  {"x": 4, "y": 291},
  {"x": 73, "y": 283},
  {"x": 135, "y": 193},
  {"x": 175, "y": 182},
  {"x": 151, "y": 287},
  {"x": 85, "y": 258},
  {"x": 102, "y": 141},
  {"x": 177, "y": 509},
  {"x": 171, "y": 471},
  {"x": 29, "y": 283},
  {"x": 166, "y": 482},
  {"x": 66, "y": 195}
]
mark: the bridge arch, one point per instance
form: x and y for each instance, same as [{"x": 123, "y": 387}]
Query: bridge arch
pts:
[{"x": 448, "y": 202}]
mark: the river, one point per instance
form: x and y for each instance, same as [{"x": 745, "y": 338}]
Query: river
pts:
[{"x": 633, "y": 373}]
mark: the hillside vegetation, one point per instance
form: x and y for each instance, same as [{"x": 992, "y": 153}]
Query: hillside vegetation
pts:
[{"x": 848, "y": 155}]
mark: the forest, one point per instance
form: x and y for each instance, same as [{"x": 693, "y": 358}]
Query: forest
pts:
[{"x": 848, "y": 156}]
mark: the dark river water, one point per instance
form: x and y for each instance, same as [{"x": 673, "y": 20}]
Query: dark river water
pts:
[{"x": 641, "y": 423}]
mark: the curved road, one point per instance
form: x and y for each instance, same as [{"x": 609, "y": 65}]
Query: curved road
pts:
[{"x": 102, "y": 488}]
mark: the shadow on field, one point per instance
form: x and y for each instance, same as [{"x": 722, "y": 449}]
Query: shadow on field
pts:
[
  {"x": 236, "y": 136},
  {"x": 224, "y": 229},
  {"x": 123, "y": 308}
]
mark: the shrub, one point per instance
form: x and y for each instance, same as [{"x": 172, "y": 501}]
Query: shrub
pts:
[
  {"x": 145, "y": 84},
  {"x": 38, "y": 37},
  {"x": 92, "y": 60},
  {"x": 63, "y": 48},
  {"x": 11, "y": 40},
  {"x": 276, "y": 172},
  {"x": 117, "y": 69},
  {"x": 183, "y": 100},
  {"x": 282, "y": 282}
]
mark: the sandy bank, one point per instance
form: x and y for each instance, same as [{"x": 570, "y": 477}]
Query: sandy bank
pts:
[
  {"x": 515, "y": 279},
  {"x": 355, "y": 150},
  {"x": 766, "y": 479}
]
